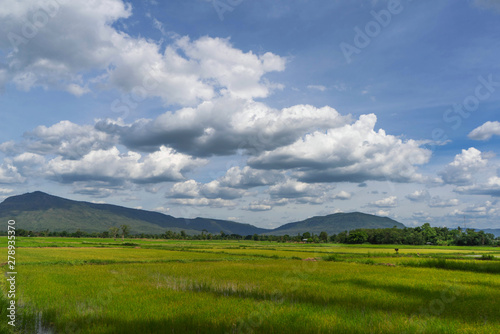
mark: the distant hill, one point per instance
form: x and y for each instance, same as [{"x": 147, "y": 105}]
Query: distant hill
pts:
[
  {"x": 494, "y": 231},
  {"x": 39, "y": 211},
  {"x": 336, "y": 223}
]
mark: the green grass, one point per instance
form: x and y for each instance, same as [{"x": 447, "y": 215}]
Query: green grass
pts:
[{"x": 102, "y": 286}]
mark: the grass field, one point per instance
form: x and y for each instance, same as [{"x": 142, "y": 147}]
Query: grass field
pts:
[{"x": 97, "y": 286}]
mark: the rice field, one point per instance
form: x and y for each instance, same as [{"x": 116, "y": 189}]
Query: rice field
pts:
[{"x": 98, "y": 286}]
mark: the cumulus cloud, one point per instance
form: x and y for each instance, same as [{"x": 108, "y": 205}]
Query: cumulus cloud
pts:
[
  {"x": 352, "y": 153},
  {"x": 247, "y": 177},
  {"x": 419, "y": 196},
  {"x": 69, "y": 38},
  {"x": 114, "y": 167},
  {"x": 462, "y": 169},
  {"x": 66, "y": 139},
  {"x": 257, "y": 206},
  {"x": 388, "y": 202},
  {"x": 223, "y": 127},
  {"x": 5, "y": 191},
  {"x": 491, "y": 188},
  {"x": 487, "y": 210},
  {"x": 485, "y": 131},
  {"x": 438, "y": 202},
  {"x": 298, "y": 192},
  {"x": 210, "y": 202},
  {"x": 10, "y": 174},
  {"x": 211, "y": 190},
  {"x": 292, "y": 189},
  {"x": 343, "y": 195}
]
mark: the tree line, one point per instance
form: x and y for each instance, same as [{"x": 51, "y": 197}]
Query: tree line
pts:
[{"x": 421, "y": 235}]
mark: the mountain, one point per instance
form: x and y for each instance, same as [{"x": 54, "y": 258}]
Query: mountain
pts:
[
  {"x": 336, "y": 223},
  {"x": 39, "y": 211},
  {"x": 494, "y": 231}
]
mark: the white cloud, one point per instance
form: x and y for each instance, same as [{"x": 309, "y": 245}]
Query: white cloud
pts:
[
  {"x": 69, "y": 140},
  {"x": 10, "y": 174},
  {"x": 491, "y": 187},
  {"x": 383, "y": 213},
  {"x": 5, "y": 191},
  {"x": 317, "y": 87},
  {"x": 112, "y": 166},
  {"x": 80, "y": 37},
  {"x": 487, "y": 210},
  {"x": 255, "y": 206},
  {"x": 438, "y": 202},
  {"x": 211, "y": 190},
  {"x": 388, "y": 202},
  {"x": 247, "y": 177},
  {"x": 353, "y": 153},
  {"x": 343, "y": 195},
  {"x": 464, "y": 167},
  {"x": 224, "y": 126},
  {"x": 485, "y": 131},
  {"x": 213, "y": 203},
  {"x": 419, "y": 196},
  {"x": 293, "y": 189}
]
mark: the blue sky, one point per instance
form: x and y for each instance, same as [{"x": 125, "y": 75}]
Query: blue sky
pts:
[{"x": 263, "y": 112}]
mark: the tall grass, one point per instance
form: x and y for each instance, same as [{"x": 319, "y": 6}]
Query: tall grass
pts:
[{"x": 463, "y": 265}]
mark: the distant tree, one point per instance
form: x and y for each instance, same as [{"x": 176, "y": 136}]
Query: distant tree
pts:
[
  {"x": 183, "y": 234},
  {"x": 323, "y": 236},
  {"x": 357, "y": 237},
  {"x": 306, "y": 235},
  {"x": 78, "y": 234},
  {"x": 114, "y": 231},
  {"x": 125, "y": 231}
]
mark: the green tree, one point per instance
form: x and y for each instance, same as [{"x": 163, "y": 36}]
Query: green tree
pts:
[
  {"x": 114, "y": 231},
  {"x": 125, "y": 230},
  {"x": 357, "y": 237},
  {"x": 323, "y": 236}
]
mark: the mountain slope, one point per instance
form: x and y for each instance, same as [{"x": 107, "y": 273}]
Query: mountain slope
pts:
[
  {"x": 336, "y": 223},
  {"x": 39, "y": 211}
]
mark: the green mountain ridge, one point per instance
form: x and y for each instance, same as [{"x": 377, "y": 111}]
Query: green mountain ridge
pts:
[
  {"x": 336, "y": 223},
  {"x": 38, "y": 211}
]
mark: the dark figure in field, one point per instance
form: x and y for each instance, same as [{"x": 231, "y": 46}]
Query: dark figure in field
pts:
[{"x": 397, "y": 250}]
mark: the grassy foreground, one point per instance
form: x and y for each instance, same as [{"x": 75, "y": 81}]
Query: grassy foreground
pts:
[{"x": 143, "y": 286}]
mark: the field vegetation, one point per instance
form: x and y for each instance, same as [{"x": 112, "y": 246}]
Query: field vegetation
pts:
[{"x": 89, "y": 285}]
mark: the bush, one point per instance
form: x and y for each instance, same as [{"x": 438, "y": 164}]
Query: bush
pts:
[{"x": 330, "y": 258}]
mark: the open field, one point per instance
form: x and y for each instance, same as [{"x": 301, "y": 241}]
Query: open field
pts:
[{"x": 147, "y": 286}]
